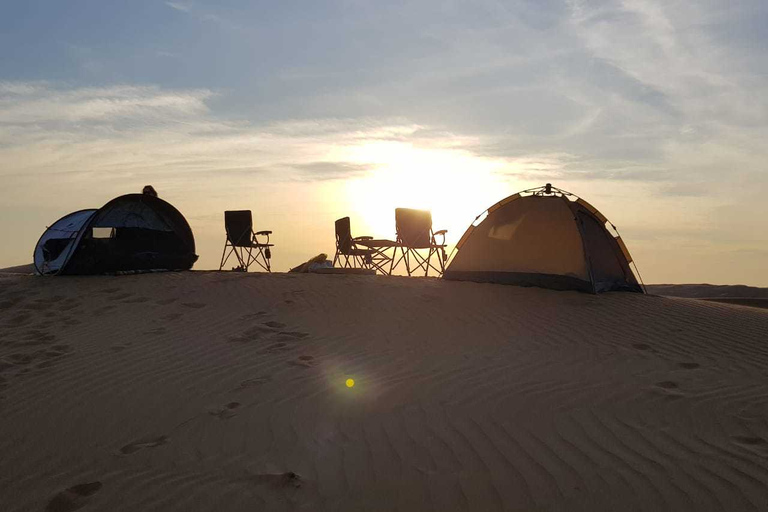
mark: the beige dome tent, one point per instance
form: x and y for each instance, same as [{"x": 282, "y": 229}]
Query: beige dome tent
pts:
[{"x": 544, "y": 237}]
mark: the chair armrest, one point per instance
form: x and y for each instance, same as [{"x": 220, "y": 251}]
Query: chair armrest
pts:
[
  {"x": 363, "y": 238},
  {"x": 263, "y": 232},
  {"x": 441, "y": 232}
]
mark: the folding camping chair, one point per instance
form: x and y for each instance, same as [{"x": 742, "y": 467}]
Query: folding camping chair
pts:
[
  {"x": 346, "y": 249},
  {"x": 243, "y": 243},
  {"x": 414, "y": 232}
]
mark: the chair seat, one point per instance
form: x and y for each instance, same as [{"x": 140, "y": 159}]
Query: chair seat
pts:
[
  {"x": 359, "y": 252},
  {"x": 256, "y": 246}
]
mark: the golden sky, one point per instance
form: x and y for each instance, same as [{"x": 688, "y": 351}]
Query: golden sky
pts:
[{"x": 654, "y": 112}]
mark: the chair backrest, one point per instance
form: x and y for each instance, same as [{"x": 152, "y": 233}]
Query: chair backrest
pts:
[
  {"x": 343, "y": 236},
  {"x": 414, "y": 227},
  {"x": 239, "y": 226}
]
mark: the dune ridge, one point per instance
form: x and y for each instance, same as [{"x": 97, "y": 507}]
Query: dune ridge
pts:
[{"x": 203, "y": 390}]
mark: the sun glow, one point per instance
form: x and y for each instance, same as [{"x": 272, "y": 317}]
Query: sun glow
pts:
[{"x": 454, "y": 184}]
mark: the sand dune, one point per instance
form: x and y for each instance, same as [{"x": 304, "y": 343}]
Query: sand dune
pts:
[
  {"x": 216, "y": 391},
  {"x": 728, "y": 294}
]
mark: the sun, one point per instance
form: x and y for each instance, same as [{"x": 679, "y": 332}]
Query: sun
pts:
[
  {"x": 350, "y": 383},
  {"x": 452, "y": 183}
]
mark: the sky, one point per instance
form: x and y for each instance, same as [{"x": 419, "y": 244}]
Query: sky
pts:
[{"x": 655, "y": 112}]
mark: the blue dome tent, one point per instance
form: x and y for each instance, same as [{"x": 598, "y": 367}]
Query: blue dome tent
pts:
[{"x": 133, "y": 232}]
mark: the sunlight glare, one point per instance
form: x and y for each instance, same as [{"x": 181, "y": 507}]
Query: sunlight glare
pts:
[{"x": 454, "y": 184}]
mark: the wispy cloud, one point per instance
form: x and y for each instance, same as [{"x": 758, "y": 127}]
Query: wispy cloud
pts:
[
  {"x": 201, "y": 13},
  {"x": 178, "y": 6},
  {"x": 321, "y": 171},
  {"x": 127, "y": 129},
  {"x": 30, "y": 103}
]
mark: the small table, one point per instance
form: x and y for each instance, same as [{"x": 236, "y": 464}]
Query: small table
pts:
[{"x": 380, "y": 260}]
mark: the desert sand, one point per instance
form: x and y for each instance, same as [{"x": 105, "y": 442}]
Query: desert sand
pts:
[
  {"x": 227, "y": 391},
  {"x": 728, "y": 294}
]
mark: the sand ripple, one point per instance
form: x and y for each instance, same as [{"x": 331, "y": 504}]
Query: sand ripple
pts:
[{"x": 200, "y": 391}]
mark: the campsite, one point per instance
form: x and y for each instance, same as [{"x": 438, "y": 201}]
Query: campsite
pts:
[
  {"x": 383, "y": 256},
  {"x": 536, "y": 374}
]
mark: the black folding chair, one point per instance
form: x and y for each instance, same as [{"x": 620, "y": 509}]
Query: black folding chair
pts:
[
  {"x": 346, "y": 249},
  {"x": 243, "y": 242},
  {"x": 414, "y": 233}
]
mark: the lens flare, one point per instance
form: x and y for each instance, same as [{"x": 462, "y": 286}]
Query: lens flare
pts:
[{"x": 350, "y": 383}]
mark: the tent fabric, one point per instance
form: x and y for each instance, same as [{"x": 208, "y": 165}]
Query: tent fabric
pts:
[
  {"x": 134, "y": 232},
  {"x": 57, "y": 242},
  {"x": 545, "y": 240}
]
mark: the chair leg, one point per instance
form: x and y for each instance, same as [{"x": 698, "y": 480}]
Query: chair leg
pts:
[
  {"x": 260, "y": 258},
  {"x": 421, "y": 262},
  {"x": 429, "y": 260},
  {"x": 408, "y": 261},
  {"x": 239, "y": 253},
  {"x": 250, "y": 260},
  {"x": 223, "y": 259},
  {"x": 395, "y": 260}
]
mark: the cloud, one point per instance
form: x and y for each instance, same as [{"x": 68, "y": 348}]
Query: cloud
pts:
[
  {"x": 127, "y": 130},
  {"x": 178, "y": 6},
  {"x": 36, "y": 103},
  {"x": 321, "y": 171},
  {"x": 202, "y": 14}
]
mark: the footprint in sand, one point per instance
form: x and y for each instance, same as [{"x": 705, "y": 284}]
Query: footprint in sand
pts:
[
  {"x": 165, "y": 302},
  {"x": 277, "y": 347},
  {"x": 303, "y": 361},
  {"x": 752, "y": 443},
  {"x": 275, "y": 325},
  {"x": 73, "y": 498},
  {"x": 294, "y": 335},
  {"x": 689, "y": 366},
  {"x": 642, "y": 346},
  {"x": 251, "y": 316},
  {"x": 226, "y": 412},
  {"x": 195, "y": 305},
  {"x": 103, "y": 310},
  {"x": 277, "y": 480},
  {"x": 249, "y": 383},
  {"x": 143, "y": 443},
  {"x": 250, "y": 335},
  {"x": 669, "y": 389}
]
